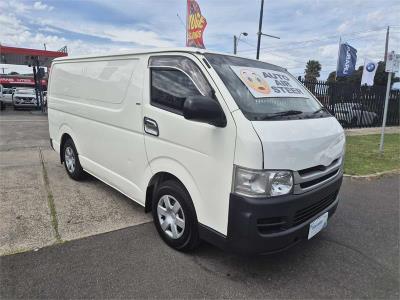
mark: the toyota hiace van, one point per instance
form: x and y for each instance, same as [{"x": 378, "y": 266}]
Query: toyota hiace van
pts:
[{"x": 220, "y": 148}]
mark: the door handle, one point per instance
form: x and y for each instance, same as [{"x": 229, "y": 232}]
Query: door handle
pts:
[{"x": 150, "y": 126}]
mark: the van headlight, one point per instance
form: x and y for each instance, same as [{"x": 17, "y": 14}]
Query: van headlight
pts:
[{"x": 258, "y": 183}]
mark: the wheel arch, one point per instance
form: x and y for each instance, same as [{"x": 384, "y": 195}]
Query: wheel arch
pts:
[
  {"x": 65, "y": 134},
  {"x": 164, "y": 169}
]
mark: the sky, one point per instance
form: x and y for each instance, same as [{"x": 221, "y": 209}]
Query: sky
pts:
[{"x": 308, "y": 29}]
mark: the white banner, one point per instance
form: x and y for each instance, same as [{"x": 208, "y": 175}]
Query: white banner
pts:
[
  {"x": 267, "y": 83},
  {"x": 392, "y": 62},
  {"x": 369, "y": 72}
]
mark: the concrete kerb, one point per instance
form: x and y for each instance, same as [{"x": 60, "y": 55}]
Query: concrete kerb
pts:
[
  {"x": 374, "y": 175},
  {"x": 371, "y": 130}
]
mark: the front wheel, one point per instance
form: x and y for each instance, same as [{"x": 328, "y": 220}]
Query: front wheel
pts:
[{"x": 175, "y": 217}]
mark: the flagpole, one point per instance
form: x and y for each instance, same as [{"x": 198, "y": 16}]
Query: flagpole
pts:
[
  {"x": 187, "y": 20},
  {"x": 338, "y": 53}
]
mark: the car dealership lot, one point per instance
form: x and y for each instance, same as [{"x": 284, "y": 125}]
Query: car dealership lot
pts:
[{"x": 356, "y": 256}]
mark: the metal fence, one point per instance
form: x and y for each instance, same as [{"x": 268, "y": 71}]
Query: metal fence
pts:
[{"x": 356, "y": 106}]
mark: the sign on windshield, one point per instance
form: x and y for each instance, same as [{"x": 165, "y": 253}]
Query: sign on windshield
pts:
[{"x": 264, "y": 83}]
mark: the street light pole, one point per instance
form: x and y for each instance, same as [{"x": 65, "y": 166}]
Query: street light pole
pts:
[
  {"x": 260, "y": 29},
  {"x": 236, "y": 41}
]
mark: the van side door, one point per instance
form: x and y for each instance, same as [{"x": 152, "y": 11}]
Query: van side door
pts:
[{"x": 199, "y": 154}]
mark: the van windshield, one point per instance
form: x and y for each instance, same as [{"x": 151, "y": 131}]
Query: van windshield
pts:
[{"x": 264, "y": 91}]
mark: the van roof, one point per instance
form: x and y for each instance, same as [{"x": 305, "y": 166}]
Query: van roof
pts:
[
  {"x": 142, "y": 51},
  {"x": 147, "y": 51}
]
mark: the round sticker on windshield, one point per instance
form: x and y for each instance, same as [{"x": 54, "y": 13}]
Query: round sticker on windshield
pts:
[{"x": 255, "y": 81}]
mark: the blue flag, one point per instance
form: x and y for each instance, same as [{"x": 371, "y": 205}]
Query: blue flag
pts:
[{"x": 347, "y": 60}]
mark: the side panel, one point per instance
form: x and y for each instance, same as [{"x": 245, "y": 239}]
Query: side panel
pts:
[
  {"x": 199, "y": 154},
  {"x": 99, "y": 105}
]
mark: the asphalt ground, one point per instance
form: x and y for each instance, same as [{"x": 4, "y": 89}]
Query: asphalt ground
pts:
[
  {"x": 40, "y": 205},
  {"x": 356, "y": 256}
]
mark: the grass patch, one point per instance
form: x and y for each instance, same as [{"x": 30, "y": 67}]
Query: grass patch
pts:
[
  {"x": 50, "y": 200},
  {"x": 363, "y": 157}
]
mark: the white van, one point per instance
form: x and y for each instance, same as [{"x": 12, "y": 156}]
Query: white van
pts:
[{"x": 219, "y": 148}]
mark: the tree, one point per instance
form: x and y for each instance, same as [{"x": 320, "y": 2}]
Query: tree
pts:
[{"x": 313, "y": 67}]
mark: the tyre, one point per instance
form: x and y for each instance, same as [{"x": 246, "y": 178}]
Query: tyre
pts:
[
  {"x": 175, "y": 217},
  {"x": 71, "y": 161}
]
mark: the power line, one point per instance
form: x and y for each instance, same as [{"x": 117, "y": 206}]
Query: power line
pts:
[{"x": 315, "y": 40}]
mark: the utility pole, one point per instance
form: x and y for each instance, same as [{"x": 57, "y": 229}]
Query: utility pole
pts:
[
  {"x": 386, "y": 44},
  {"x": 387, "y": 96},
  {"x": 259, "y": 33},
  {"x": 260, "y": 29}
]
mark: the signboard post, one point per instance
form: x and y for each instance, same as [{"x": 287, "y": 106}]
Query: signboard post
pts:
[{"x": 392, "y": 65}]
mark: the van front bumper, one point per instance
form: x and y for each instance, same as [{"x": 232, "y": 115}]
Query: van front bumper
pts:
[{"x": 267, "y": 225}]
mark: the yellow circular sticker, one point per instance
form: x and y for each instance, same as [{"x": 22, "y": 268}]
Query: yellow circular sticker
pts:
[{"x": 254, "y": 81}]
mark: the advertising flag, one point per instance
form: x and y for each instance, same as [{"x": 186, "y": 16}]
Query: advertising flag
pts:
[
  {"x": 346, "y": 61},
  {"x": 369, "y": 72},
  {"x": 196, "y": 23}
]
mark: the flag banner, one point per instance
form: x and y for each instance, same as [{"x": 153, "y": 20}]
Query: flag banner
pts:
[
  {"x": 346, "y": 61},
  {"x": 196, "y": 23},
  {"x": 369, "y": 72}
]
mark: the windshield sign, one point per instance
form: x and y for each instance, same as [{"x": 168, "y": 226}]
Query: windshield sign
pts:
[{"x": 265, "y": 83}]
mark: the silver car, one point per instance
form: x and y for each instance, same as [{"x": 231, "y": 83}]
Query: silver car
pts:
[
  {"x": 24, "y": 98},
  {"x": 353, "y": 114}
]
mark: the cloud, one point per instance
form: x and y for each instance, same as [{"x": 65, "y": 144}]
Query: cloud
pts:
[
  {"x": 38, "y": 5},
  {"x": 140, "y": 37},
  {"x": 49, "y": 29}
]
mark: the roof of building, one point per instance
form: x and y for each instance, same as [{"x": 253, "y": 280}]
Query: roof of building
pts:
[{"x": 26, "y": 56}]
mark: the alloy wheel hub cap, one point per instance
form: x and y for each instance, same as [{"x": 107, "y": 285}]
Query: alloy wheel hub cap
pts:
[
  {"x": 69, "y": 159},
  {"x": 171, "y": 216}
]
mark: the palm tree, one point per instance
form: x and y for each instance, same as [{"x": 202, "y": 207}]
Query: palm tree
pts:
[{"x": 313, "y": 67}]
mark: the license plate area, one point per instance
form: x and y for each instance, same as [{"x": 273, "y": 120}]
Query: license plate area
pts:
[{"x": 317, "y": 225}]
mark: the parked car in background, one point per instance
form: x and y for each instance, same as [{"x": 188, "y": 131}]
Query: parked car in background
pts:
[
  {"x": 2, "y": 104},
  {"x": 24, "y": 98},
  {"x": 396, "y": 86},
  {"x": 353, "y": 114},
  {"x": 7, "y": 95}
]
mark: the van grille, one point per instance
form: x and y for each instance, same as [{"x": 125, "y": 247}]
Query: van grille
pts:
[
  {"x": 282, "y": 223},
  {"x": 318, "y": 180},
  {"x": 310, "y": 178},
  {"x": 308, "y": 212},
  {"x": 319, "y": 168}
]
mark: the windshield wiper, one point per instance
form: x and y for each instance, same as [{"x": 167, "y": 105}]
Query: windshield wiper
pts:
[
  {"x": 323, "y": 108},
  {"x": 282, "y": 114}
]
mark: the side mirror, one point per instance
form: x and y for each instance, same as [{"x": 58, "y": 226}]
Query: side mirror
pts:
[{"x": 204, "y": 109}]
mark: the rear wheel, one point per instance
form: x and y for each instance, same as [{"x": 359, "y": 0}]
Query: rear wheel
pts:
[
  {"x": 175, "y": 217},
  {"x": 71, "y": 161}
]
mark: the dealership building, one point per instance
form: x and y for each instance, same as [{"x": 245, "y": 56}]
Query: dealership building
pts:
[{"x": 39, "y": 60}]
